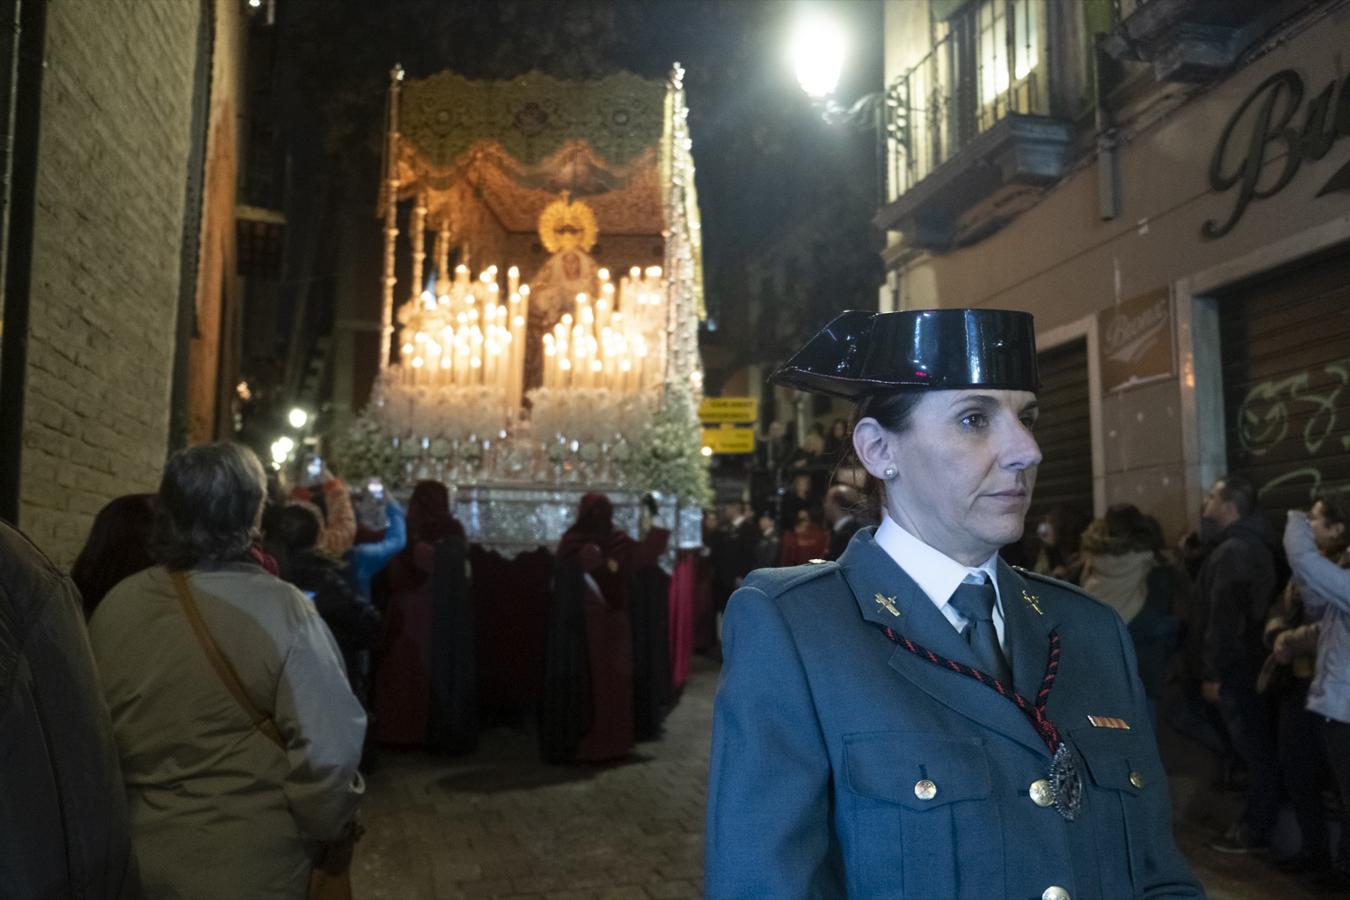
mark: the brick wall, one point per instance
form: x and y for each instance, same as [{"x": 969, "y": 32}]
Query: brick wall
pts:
[{"x": 116, "y": 115}]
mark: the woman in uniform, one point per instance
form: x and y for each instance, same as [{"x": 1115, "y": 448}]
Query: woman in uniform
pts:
[{"x": 918, "y": 719}]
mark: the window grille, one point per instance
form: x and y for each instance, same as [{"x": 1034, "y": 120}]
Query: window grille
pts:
[{"x": 986, "y": 62}]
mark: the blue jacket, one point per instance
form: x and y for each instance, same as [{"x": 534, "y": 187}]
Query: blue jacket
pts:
[
  {"x": 369, "y": 560},
  {"x": 824, "y": 729}
]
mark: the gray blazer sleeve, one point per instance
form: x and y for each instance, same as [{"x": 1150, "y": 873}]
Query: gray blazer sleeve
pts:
[
  {"x": 324, "y": 727},
  {"x": 1324, "y": 583}
]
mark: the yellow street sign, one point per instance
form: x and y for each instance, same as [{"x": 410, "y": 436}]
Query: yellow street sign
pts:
[
  {"x": 728, "y": 439},
  {"x": 729, "y": 409}
]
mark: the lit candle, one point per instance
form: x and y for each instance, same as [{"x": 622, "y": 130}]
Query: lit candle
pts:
[{"x": 550, "y": 360}]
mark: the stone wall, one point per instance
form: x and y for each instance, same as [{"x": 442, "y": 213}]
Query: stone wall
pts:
[{"x": 114, "y": 145}]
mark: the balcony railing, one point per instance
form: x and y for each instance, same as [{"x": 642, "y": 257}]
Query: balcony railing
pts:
[{"x": 974, "y": 77}]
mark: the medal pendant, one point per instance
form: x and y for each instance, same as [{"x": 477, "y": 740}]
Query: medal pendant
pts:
[{"x": 1067, "y": 782}]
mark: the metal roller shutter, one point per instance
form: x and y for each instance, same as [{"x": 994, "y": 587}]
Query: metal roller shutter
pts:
[
  {"x": 1286, "y": 364},
  {"x": 1064, "y": 431}
]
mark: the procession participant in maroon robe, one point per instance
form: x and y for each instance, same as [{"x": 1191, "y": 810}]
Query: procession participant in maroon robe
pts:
[
  {"x": 607, "y": 559},
  {"x": 410, "y": 672}
]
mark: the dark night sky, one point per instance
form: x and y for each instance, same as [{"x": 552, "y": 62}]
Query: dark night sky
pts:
[{"x": 764, "y": 157}]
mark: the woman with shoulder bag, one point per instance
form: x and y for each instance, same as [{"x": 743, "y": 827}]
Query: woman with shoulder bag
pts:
[{"x": 238, "y": 735}]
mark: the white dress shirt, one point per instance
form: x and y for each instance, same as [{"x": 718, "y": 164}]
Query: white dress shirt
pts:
[{"x": 936, "y": 573}]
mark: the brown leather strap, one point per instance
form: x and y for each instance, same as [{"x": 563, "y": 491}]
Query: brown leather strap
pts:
[{"x": 228, "y": 675}]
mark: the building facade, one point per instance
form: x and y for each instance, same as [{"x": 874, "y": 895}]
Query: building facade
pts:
[
  {"x": 115, "y": 209},
  {"x": 1164, "y": 184}
]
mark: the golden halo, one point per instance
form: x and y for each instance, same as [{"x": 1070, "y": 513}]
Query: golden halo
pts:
[{"x": 565, "y": 224}]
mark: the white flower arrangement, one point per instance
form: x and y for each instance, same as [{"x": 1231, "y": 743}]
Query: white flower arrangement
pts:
[
  {"x": 364, "y": 450},
  {"x": 666, "y": 451}
]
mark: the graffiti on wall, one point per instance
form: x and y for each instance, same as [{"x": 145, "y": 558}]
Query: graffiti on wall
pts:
[{"x": 1271, "y": 411}]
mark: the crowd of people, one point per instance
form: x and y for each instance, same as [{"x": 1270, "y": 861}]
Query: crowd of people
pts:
[
  {"x": 1241, "y": 643},
  {"x": 244, "y": 634}
]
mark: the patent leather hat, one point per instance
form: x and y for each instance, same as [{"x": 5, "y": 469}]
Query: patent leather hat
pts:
[{"x": 939, "y": 349}]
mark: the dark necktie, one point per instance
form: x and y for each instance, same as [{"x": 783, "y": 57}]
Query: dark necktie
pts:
[{"x": 976, "y": 603}]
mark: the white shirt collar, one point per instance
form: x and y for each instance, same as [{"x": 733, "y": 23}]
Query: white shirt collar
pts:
[{"x": 936, "y": 573}]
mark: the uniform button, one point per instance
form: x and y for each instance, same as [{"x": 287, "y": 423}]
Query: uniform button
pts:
[
  {"x": 1042, "y": 794},
  {"x": 1136, "y": 779},
  {"x": 1055, "y": 892},
  {"x": 925, "y": 790}
]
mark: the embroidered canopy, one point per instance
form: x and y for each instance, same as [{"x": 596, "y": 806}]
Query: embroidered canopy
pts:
[{"x": 482, "y": 160}]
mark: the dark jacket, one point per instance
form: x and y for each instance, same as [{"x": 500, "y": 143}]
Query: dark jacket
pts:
[
  {"x": 355, "y": 624},
  {"x": 1234, "y": 590},
  {"x": 63, "y": 814},
  {"x": 841, "y": 534}
]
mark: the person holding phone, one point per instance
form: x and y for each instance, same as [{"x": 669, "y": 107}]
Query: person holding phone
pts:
[
  {"x": 367, "y": 559},
  {"x": 334, "y": 504}
]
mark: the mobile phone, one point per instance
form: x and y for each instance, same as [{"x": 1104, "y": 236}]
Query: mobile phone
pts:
[
  {"x": 315, "y": 467},
  {"x": 375, "y": 488}
]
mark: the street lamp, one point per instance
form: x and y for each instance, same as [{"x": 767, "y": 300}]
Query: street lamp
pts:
[
  {"x": 817, "y": 49},
  {"x": 298, "y": 417}
]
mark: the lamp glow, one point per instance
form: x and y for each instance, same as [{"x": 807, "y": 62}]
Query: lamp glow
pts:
[
  {"x": 817, "y": 51},
  {"x": 298, "y": 417},
  {"x": 281, "y": 449}
]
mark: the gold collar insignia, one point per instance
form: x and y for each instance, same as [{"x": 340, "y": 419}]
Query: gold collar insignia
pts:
[{"x": 888, "y": 604}]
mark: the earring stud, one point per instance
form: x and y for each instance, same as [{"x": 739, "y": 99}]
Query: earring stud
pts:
[{"x": 889, "y": 473}]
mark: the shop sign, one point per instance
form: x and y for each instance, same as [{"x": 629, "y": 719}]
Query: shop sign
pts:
[
  {"x": 729, "y": 409},
  {"x": 1136, "y": 340},
  {"x": 1263, "y": 128},
  {"x": 729, "y": 439}
]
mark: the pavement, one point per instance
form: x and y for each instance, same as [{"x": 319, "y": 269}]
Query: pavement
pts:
[
  {"x": 501, "y": 824},
  {"x": 498, "y": 823}
]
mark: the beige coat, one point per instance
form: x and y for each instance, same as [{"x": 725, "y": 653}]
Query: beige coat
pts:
[{"x": 217, "y": 809}]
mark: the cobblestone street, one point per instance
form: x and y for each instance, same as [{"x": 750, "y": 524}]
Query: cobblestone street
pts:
[{"x": 501, "y": 824}]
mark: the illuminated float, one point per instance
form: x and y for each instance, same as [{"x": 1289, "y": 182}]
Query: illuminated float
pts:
[{"x": 542, "y": 340}]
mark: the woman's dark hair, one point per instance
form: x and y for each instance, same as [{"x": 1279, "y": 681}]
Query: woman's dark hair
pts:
[
  {"x": 1336, "y": 510},
  {"x": 1124, "y": 529},
  {"x": 1069, "y": 523},
  {"x": 208, "y": 506},
  {"x": 297, "y": 527},
  {"x": 118, "y": 546},
  {"x": 893, "y": 411}
]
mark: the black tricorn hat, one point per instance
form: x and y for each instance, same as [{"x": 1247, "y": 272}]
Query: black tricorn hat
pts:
[{"x": 938, "y": 349}]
